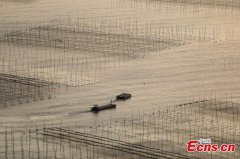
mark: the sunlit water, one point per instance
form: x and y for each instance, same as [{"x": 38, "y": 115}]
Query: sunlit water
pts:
[{"x": 189, "y": 72}]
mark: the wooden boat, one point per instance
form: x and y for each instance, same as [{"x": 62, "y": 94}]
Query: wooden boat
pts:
[
  {"x": 97, "y": 108},
  {"x": 123, "y": 96}
]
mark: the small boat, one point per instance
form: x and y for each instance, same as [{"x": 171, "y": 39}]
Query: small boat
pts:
[
  {"x": 123, "y": 96},
  {"x": 97, "y": 108}
]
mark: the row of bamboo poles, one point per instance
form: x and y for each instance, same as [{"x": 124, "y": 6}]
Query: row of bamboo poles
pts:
[
  {"x": 194, "y": 4},
  {"x": 37, "y": 60},
  {"x": 161, "y": 133}
]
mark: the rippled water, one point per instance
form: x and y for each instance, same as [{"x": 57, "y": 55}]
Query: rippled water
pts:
[
  {"x": 199, "y": 61},
  {"x": 194, "y": 71},
  {"x": 220, "y": 22}
]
